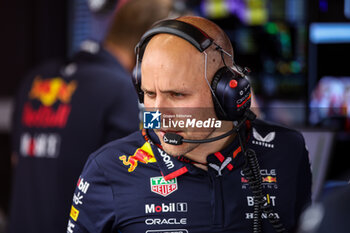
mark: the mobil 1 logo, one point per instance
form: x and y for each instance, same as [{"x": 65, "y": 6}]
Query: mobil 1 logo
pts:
[{"x": 179, "y": 207}]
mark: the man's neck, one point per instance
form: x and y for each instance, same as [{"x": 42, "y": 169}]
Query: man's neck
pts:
[{"x": 121, "y": 54}]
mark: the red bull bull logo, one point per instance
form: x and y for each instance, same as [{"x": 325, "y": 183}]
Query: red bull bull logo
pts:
[
  {"x": 144, "y": 155},
  {"x": 269, "y": 179},
  {"x": 48, "y": 91}
]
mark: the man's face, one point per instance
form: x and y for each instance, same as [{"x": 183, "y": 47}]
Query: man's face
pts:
[{"x": 173, "y": 78}]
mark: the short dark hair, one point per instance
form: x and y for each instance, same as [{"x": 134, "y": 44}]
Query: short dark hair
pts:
[{"x": 134, "y": 18}]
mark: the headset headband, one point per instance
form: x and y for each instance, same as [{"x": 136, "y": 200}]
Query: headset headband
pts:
[{"x": 188, "y": 32}]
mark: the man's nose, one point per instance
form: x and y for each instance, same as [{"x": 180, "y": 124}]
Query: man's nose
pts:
[
  {"x": 160, "y": 102},
  {"x": 164, "y": 104}
]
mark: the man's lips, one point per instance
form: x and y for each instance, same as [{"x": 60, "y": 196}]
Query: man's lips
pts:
[{"x": 163, "y": 132}]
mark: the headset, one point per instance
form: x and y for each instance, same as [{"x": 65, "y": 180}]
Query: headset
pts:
[
  {"x": 231, "y": 96},
  {"x": 229, "y": 87}
]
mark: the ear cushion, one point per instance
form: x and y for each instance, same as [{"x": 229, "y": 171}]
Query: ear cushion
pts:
[
  {"x": 136, "y": 80},
  {"x": 232, "y": 94},
  {"x": 220, "y": 113}
]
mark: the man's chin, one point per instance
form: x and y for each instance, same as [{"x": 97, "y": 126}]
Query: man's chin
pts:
[{"x": 175, "y": 150}]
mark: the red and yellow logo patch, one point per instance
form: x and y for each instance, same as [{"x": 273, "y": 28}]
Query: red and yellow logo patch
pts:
[
  {"x": 143, "y": 155},
  {"x": 269, "y": 179}
]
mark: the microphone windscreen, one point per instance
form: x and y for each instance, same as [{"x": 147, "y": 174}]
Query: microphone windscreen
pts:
[{"x": 172, "y": 138}]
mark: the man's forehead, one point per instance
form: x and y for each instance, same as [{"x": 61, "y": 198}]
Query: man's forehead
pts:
[
  {"x": 170, "y": 43},
  {"x": 172, "y": 55},
  {"x": 173, "y": 59}
]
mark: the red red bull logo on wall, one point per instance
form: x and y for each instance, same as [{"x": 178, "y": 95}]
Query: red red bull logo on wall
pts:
[
  {"x": 48, "y": 92},
  {"x": 143, "y": 155},
  {"x": 45, "y": 117}
]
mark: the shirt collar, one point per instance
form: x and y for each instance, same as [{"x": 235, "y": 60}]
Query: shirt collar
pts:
[
  {"x": 222, "y": 161},
  {"x": 231, "y": 157},
  {"x": 227, "y": 159},
  {"x": 169, "y": 166}
]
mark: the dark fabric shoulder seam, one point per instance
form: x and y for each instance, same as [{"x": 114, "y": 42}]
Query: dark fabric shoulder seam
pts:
[{"x": 107, "y": 179}]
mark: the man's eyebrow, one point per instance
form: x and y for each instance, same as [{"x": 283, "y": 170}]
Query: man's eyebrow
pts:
[
  {"x": 144, "y": 89},
  {"x": 172, "y": 91},
  {"x": 166, "y": 91}
]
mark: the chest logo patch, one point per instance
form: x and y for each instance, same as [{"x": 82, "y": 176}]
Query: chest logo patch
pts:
[
  {"x": 163, "y": 187},
  {"x": 142, "y": 155},
  {"x": 263, "y": 141}
]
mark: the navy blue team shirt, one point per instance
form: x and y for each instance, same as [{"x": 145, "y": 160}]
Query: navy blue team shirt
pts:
[
  {"x": 63, "y": 114},
  {"x": 131, "y": 185}
]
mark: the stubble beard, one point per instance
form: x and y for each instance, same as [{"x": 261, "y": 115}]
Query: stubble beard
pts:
[{"x": 183, "y": 149}]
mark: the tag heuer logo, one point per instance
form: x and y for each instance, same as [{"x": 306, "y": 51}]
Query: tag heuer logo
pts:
[{"x": 161, "y": 186}]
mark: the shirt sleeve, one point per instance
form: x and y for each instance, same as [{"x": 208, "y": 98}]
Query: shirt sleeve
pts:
[{"x": 92, "y": 205}]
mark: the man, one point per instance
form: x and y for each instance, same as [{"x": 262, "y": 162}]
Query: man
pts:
[
  {"x": 64, "y": 113},
  {"x": 210, "y": 180}
]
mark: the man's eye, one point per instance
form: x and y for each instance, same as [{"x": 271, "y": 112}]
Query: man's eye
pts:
[
  {"x": 150, "y": 94},
  {"x": 176, "y": 94}
]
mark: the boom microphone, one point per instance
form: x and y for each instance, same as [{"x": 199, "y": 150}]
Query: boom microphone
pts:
[{"x": 175, "y": 139}]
